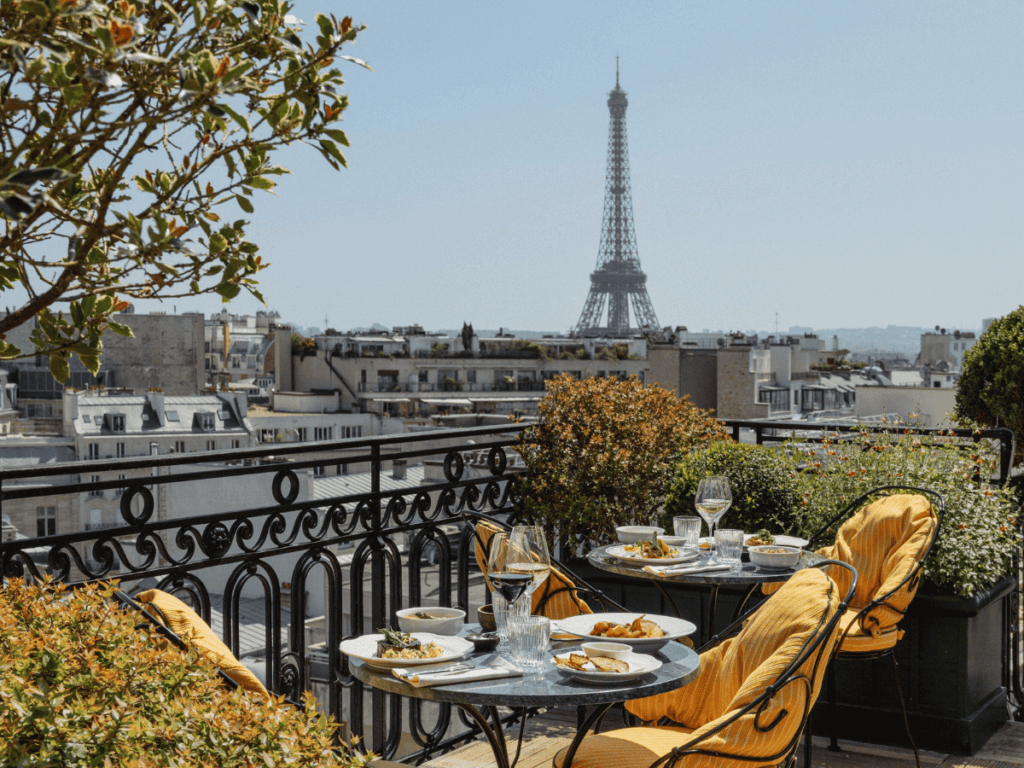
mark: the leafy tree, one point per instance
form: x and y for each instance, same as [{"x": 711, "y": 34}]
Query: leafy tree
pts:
[
  {"x": 129, "y": 131},
  {"x": 603, "y": 454},
  {"x": 991, "y": 389}
]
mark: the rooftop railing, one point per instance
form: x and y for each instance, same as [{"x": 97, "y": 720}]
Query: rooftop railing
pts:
[{"x": 344, "y": 552}]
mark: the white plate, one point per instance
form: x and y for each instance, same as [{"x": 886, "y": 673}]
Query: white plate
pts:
[
  {"x": 581, "y": 625},
  {"x": 639, "y": 664},
  {"x": 636, "y": 559},
  {"x": 364, "y": 648},
  {"x": 781, "y": 540}
]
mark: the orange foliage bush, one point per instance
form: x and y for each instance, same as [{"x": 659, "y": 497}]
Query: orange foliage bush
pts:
[
  {"x": 80, "y": 685},
  {"x": 603, "y": 454}
]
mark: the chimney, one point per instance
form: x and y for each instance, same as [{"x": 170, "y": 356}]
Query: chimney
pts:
[
  {"x": 398, "y": 469},
  {"x": 835, "y": 343}
]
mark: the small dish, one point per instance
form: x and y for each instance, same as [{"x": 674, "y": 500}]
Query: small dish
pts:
[
  {"x": 485, "y": 615},
  {"x": 631, "y": 534},
  {"x": 439, "y": 621},
  {"x": 775, "y": 556},
  {"x": 607, "y": 650},
  {"x": 484, "y": 641}
]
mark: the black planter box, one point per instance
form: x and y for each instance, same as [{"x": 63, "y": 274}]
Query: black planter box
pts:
[{"x": 950, "y": 663}]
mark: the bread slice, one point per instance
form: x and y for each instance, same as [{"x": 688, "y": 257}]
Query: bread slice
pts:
[
  {"x": 609, "y": 665},
  {"x": 651, "y": 629}
]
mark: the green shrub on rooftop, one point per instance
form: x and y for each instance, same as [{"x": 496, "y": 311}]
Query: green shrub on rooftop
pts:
[
  {"x": 81, "y": 685},
  {"x": 766, "y": 488}
]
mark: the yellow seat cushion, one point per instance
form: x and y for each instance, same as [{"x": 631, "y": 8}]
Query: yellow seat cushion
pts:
[
  {"x": 883, "y": 540},
  {"x": 187, "y": 624},
  {"x": 627, "y": 747},
  {"x": 733, "y": 674},
  {"x": 859, "y": 641},
  {"x": 556, "y": 599}
]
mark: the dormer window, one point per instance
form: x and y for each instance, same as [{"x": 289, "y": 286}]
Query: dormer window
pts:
[
  {"x": 205, "y": 421},
  {"x": 115, "y": 422},
  {"x": 86, "y": 419}
]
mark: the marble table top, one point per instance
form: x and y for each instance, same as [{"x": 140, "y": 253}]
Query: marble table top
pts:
[
  {"x": 549, "y": 688},
  {"x": 748, "y": 576}
]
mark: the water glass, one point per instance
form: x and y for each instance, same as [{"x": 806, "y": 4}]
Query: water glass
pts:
[
  {"x": 729, "y": 544},
  {"x": 528, "y": 638},
  {"x": 687, "y": 527},
  {"x": 503, "y": 612}
]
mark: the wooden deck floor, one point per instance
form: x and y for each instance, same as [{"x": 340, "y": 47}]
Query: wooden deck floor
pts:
[{"x": 551, "y": 731}]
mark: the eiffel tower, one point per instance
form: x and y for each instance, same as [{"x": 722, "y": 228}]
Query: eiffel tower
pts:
[{"x": 618, "y": 276}]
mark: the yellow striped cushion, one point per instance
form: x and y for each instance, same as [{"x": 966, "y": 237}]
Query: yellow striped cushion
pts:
[
  {"x": 185, "y": 623},
  {"x": 625, "y": 748},
  {"x": 740, "y": 669},
  {"x": 557, "y": 594},
  {"x": 883, "y": 541},
  {"x": 860, "y": 641}
]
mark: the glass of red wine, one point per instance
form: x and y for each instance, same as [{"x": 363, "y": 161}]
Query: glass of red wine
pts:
[{"x": 508, "y": 583}]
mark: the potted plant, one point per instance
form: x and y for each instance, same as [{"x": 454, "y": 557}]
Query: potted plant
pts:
[
  {"x": 951, "y": 657},
  {"x": 602, "y": 455}
]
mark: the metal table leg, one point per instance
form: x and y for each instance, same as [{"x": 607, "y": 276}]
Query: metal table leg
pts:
[{"x": 596, "y": 715}]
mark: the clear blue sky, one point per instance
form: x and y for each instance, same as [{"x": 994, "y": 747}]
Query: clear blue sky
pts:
[{"x": 840, "y": 164}]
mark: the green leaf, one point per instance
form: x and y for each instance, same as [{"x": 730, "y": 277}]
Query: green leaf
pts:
[
  {"x": 244, "y": 203},
  {"x": 258, "y": 182},
  {"x": 217, "y": 242},
  {"x": 238, "y": 118},
  {"x": 332, "y": 149},
  {"x": 92, "y": 362},
  {"x": 120, "y": 330},
  {"x": 8, "y": 351},
  {"x": 29, "y": 177},
  {"x": 228, "y": 291},
  {"x": 338, "y": 136},
  {"x": 59, "y": 367}
]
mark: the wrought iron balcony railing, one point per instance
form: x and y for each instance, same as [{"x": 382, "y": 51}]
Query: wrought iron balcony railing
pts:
[{"x": 384, "y": 529}]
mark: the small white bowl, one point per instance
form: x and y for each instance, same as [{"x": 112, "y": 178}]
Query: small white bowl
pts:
[
  {"x": 775, "y": 556},
  {"x": 631, "y": 534},
  {"x": 608, "y": 650},
  {"x": 443, "y": 621}
]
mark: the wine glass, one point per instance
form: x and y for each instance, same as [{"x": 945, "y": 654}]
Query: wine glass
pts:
[
  {"x": 507, "y": 584},
  {"x": 532, "y": 543},
  {"x": 712, "y": 500}
]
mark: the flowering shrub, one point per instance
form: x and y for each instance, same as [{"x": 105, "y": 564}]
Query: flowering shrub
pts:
[
  {"x": 603, "y": 454},
  {"x": 979, "y": 532},
  {"x": 766, "y": 488},
  {"x": 80, "y": 685}
]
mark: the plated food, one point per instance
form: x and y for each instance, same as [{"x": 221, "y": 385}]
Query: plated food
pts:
[
  {"x": 366, "y": 649},
  {"x": 603, "y": 669},
  {"x": 638, "y": 628},
  {"x": 402, "y": 645},
  {"x": 652, "y": 550},
  {"x": 761, "y": 538},
  {"x": 630, "y": 553},
  {"x": 583, "y": 625}
]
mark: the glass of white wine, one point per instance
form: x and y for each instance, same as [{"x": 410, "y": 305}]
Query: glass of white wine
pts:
[
  {"x": 531, "y": 542},
  {"x": 712, "y": 500}
]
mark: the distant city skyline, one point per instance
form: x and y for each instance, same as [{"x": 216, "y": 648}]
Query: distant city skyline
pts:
[{"x": 842, "y": 165}]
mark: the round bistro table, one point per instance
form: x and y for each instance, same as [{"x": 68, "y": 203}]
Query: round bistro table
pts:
[
  {"x": 749, "y": 576},
  {"x": 549, "y": 688}
]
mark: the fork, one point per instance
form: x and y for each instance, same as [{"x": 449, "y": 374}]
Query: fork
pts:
[{"x": 452, "y": 670}]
